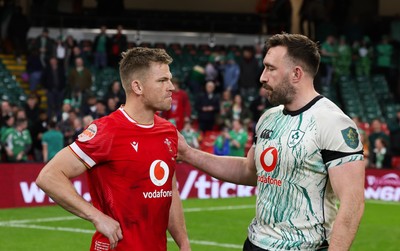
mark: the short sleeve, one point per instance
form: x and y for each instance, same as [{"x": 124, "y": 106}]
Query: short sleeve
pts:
[{"x": 93, "y": 145}]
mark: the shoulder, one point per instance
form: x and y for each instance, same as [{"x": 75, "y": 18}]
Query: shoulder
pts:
[
  {"x": 107, "y": 123},
  {"x": 272, "y": 110},
  {"x": 161, "y": 122},
  {"x": 328, "y": 113}
]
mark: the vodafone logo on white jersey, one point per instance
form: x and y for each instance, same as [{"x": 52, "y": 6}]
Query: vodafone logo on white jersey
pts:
[
  {"x": 269, "y": 158},
  {"x": 159, "y": 172}
]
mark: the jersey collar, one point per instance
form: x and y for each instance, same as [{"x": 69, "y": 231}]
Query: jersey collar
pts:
[
  {"x": 304, "y": 108},
  {"x": 121, "y": 109}
]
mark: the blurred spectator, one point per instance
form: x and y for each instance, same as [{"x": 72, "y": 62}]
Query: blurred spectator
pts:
[
  {"x": 32, "y": 109},
  {"x": 111, "y": 105},
  {"x": 101, "y": 47},
  {"x": 101, "y": 109},
  {"x": 6, "y": 111},
  {"x": 363, "y": 61},
  {"x": 70, "y": 44},
  {"x": 376, "y": 131},
  {"x": 328, "y": 53},
  {"x": 342, "y": 62},
  {"x": 207, "y": 106},
  {"x": 78, "y": 127},
  {"x": 240, "y": 111},
  {"x": 78, "y": 52},
  {"x": 53, "y": 80},
  {"x": 222, "y": 143},
  {"x": 34, "y": 68},
  {"x": 238, "y": 138},
  {"x": 79, "y": 81},
  {"x": 259, "y": 105},
  {"x": 87, "y": 53},
  {"x": 384, "y": 52},
  {"x": 380, "y": 156},
  {"x": 250, "y": 71},
  {"x": 180, "y": 108},
  {"x": 20, "y": 114},
  {"x": 115, "y": 92},
  {"x": 37, "y": 131},
  {"x": 89, "y": 107},
  {"x": 196, "y": 79},
  {"x": 231, "y": 74},
  {"x": 18, "y": 142},
  {"x": 60, "y": 52},
  {"x": 119, "y": 44},
  {"x": 211, "y": 72},
  {"x": 6, "y": 128},
  {"x": 45, "y": 45},
  {"x": 67, "y": 127},
  {"x": 190, "y": 134},
  {"x": 63, "y": 114},
  {"x": 52, "y": 141},
  {"x": 87, "y": 120},
  {"x": 225, "y": 109}
]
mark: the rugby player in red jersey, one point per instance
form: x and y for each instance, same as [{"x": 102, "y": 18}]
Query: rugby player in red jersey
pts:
[{"x": 129, "y": 157}]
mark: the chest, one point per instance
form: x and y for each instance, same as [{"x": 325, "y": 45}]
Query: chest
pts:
[
  {"x": 133, "y": 154},
  {"x": 287, "y": 144}
]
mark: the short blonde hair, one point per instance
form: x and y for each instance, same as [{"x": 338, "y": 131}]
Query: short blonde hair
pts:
[{"x": 137, "y": 60}]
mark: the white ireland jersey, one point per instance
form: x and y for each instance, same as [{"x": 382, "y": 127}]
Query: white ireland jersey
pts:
[{"x": 296, "y": 205}]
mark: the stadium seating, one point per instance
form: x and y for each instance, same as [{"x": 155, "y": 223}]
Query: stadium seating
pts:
[{"x": 9, "y": 86}]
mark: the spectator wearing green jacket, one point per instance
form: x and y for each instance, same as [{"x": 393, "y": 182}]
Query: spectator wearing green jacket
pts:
[
  {"x": 18, "y": 142},
  {"x": 52, "y": 142},
  {"x": 238, "y": 139}
]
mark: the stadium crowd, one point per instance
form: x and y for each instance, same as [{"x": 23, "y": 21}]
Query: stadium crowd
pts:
[{"x": 215, "y": 103}]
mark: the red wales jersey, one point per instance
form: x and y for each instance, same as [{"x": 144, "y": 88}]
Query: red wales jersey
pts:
[{"x": 130, "y": 177}]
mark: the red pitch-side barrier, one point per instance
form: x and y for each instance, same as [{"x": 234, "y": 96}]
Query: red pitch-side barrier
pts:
[{"x": 18, "y": 188}]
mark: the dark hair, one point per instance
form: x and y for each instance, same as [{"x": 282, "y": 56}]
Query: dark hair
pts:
[
  {"x": 51, "y": 124},
  {"x": 300, "y": 49},
  {"x": 135, "y": 60}
]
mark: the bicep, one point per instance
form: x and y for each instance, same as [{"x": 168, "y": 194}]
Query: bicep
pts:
[
  {"x": 67, "y": 163},
  {"x": 250, "y": 166},
  {"x": 347, "y": 180}
]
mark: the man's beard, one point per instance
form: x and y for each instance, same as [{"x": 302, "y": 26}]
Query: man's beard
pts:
[{"x": 282, "y": 94}]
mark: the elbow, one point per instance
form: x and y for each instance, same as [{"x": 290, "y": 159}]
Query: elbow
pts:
[{"x": 40, "y": 180}]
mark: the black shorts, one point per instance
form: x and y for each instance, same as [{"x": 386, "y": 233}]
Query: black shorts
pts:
[{"x": 248, "y": 246}]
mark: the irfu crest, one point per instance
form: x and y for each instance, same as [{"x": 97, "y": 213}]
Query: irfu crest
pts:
[{"x": 294, "y": 137}]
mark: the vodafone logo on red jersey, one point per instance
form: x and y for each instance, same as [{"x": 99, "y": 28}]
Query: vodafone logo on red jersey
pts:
[
  {"x": 269, "y": 158},
  {"x": 159, "y": 172}
]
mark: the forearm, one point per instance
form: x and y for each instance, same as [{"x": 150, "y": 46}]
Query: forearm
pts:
[
  {"x": 176, "y": 222},
  {"x": 226, "y": 168},
  {"x": 62, "y": 191},
  {"x": 54, "y": 180},
  {"x": 348, "y": 184},
  {"x": 346, "y": 226}
]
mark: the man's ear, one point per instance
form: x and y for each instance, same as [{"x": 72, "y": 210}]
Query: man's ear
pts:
[
  {"x": 297, "y": 74},
  {"x": 137, "y": 87}
]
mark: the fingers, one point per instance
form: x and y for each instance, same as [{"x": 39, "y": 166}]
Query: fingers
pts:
[
  {"x": 119, "y": 234},
  {"x": 116, "y": 236}
]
